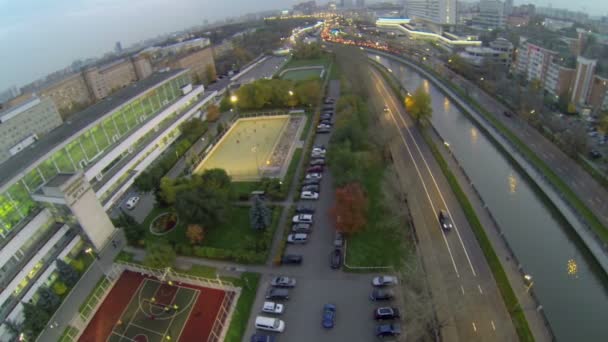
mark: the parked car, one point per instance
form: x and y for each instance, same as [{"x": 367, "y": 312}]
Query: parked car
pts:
[
  {"x": 132, "y": 202},
  {"x": 507, "y": 113},
  {"x": 283, "y": 281},
  {"x": 291, "y": 259},
  {"x": 595, "y": 154},
  {"x": 311, "y": 182},
  {"x": 386, "y": 312},
  {"x": 304, "y": 210},
  {"x": 388, "y": 330},
  {"x": 262, "y": 338},
  {"x": 273, "y": 308},
  {"x": 323, "y": 126},
  {"x": 276, "y": 293},
  {"x": 269, "y": 323},
  {"x": 306, "y": 218},
  {"x": 335, "y": 259},
  {"x": 317, "y": 155},
  {"x": 309, "y": 195},
  {"x": 323, "y": 130},
  {"x": 319, "y": 148},
  {"x": 444, "y": 220},
  {"x": 314, "y": 175},
  {"x": 297, "y": 238},
  {"x": 316, "y": 168},
  {"x": 301, "y": 228},
  {"x": 329, "y": 316},
  {"x": 380, "y": 294},
  {"x": 384, "y": 280},
  {"x": 311, "y": 188},
  {"x": 385, "y": 108},
  {"x": 326, "y": 116},
  {"x": 338, "y": 240},
  {"x": 317, "y": 161}
]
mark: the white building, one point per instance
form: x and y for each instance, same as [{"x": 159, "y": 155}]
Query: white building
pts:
[
  {"x": 442, "y": 12},
  {"x": 491, "y": 15}
]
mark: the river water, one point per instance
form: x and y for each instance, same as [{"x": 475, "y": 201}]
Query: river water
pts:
[{"x": 567, "y": 280}]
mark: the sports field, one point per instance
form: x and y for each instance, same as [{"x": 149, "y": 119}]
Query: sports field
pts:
[
  {"x": 299, "y": 75},
  {"x": 141, "y": 308},
  {"x": 246, "y": 147}
]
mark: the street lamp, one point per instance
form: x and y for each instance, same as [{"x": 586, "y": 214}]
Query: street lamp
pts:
[
  {"x": 90, "y": 252},
  {"x": 290, "y": 93}
]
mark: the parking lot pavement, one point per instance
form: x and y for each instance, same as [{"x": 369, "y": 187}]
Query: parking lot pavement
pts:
[{"x": 141, "y": 210}]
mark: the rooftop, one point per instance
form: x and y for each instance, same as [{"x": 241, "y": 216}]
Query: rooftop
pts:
[{"x": 79, "y": 121}]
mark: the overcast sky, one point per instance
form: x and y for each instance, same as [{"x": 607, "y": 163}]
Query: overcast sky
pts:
[{"x": 40, "y": 36}]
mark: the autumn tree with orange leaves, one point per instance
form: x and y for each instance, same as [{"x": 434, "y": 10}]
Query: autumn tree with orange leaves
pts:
[{"x": 350, "y": 211}]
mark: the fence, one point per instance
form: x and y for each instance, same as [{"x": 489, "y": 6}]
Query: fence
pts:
[{"x": 224, "y": 317}]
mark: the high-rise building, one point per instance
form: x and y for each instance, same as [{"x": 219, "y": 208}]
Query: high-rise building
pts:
[
  {"x": 118, "y": 48},
  {"x": 360, "y": 3},
  {"x": 508, "y": 7},
  {"x": 346, "y": 3},
  {"x": 583, "y": 78},
  {"x": 105, "y": 79},
  {"x": 491, "y": 15},
  {"x": 9, "y": 94},
  {"x": 435, "y": 11}
]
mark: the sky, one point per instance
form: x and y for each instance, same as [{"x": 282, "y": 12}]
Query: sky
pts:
[{"x": 40, "y": 36}]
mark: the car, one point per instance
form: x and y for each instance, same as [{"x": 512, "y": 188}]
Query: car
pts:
[
  {"x": 297, "y": 238},
  {"x": 132, "y": 202},
  {"x": 444, "y": 220},
  {"x": 323, "y": 126},
  {"x": 273, "y": 308},
  {"x": 262, "y": 338},
  {"x": 335, "y": 258},
  {"x": 304, "y": 210},
  {"x": 311, "y": 182},
  {"x": 314, "y": 175},
  {"x": 323, "y": 130},
  {"x": 301, "y": 228},
  {"x": 325, "y": 122},
  {"x": 384, "y": 280},
  {"x": 507, "y": 113},
  {"x": 385, "y": 108},
  {"x": 386, "y": 312},
  {"x": 380, "y": 294},
  {"x": 316, "y": 168},
  {"x": 317, "y": 155},
  {"x": 319, "y": 148},
  {"x": 595, "y": 154},
  {"x": 338, "y": 240},
  {"x": 277, "y": 293},
  {"x": 329, "y": 316},
  {"x": 309, "y": 195},
  {"x": 388, "y": 330},
  {"x": 317, "y": 161},
  {"x": 283, "y": 281},
  {"x": 327, "y": 115},
  {"x": 291, "y": 259},
  {"x": 306, "y": 218},
  {"x": 311, "y": 188},
  {"x": 328, "y": 107}
]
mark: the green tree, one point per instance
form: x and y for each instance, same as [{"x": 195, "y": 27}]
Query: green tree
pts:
[
  {"x": 225, "y": 103},
  {"x": 419, "y": 106},
  {"x": 134, "y": 232},
  {"x": 308, "y": 92},
  {"x": 213, "y": 113},
  {"x": 205, "y": 206},
  {"x": 159, "y": 255},
  {"x": 47, "y": 300},
  {"x": 193, "y": 129},
  {"x": 259, "y": 214},
  {"x": 67, "y": 273},
  {"x": 210, "y": 73},
  {"x": 60, "y": 288},
  {"x": 167, "y": 190},
  {"x": 35, "y": 320},
  {"x": 216, "y": 179},
  {"x": 603, "y": 122}
]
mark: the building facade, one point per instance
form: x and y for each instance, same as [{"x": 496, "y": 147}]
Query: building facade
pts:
[
  {"x": 442, "y": 12},
  {"x": 583, "y": 78},
  {"x": 198, "y": 62},
  {"x": 23, "y": 125},
  {"x": 53, "y": 195},
  {"x": 558, "y": 80},
  {"x": 491, "y": 15},
  {"x": 533, "y": 60},
  {"x": 69, "y": 93},
  {"x": 106, "y": 79}
]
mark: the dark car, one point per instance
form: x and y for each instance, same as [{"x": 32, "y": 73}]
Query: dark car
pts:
[
  {"x": 311, "y": 187},
  {"x": 336, "y": 258},
  {"x": 276, "y": 293},
  {"x": 595, "y": 154},
  {"x": 339, "y": 240},
  {"x": 386, "y": 312},
  {"x": 283, "y": 281},
  {"x": 380, "y": 294},
  {"x": 317, "y": 161},
  {"x": 262, "y": 338},
  {"x": 388, "y": 330},
  {"x": 325, "y": 122},
  {"x": 301, "y": 228},
  {"x": 444, "y": 220},
  {"x": 323, "y": 130},
  {"x": 291, "y": 259},
  {"x": 507, "y": 113},
  {"x": 304, "y": 210},
  {"x": 316, "y": 168},
  {"x": 329, "y": 316},
  {"x": 311, "y": 182}
]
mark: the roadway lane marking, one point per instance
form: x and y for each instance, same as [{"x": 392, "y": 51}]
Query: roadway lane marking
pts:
[
  {"x": 438, "y": 191},
  {"x": 480, "y": 290},
  {"x": 445, "y": 240},
  {"x": 493, "y": 326},
  {"x": 474, "y": 327},
  {"x": 462, "y": 289}
]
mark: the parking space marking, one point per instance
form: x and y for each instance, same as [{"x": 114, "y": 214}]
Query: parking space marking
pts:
[
  {"x": 493, "y": 326},
  {"x": 462, "y": 289},
  {"x": 480, "y": 290},
  {"x": 474, "y": 327}
]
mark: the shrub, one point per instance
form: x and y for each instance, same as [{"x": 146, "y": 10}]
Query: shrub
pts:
[
  {"x": 60, "y": 288},
  {"x": 78, "y": 264}
]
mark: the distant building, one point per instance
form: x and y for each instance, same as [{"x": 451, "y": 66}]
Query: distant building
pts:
[
  {"x": 198, "y": 63},
  {"x": 582, "y": 81},
  {"x": 556, "y": 24},
  {"x": 118, "y": 48},
  {"x": 306, "y": 8},
  {"x": 105, "y": 79},
  {"x": 440, "y": 12},
  {"x": 360, "y": 3},
  {"x": 498, "y": 55},
  {"x": 24, "y": 124},
  {"x": 533, "y": 60},
  {"x": 491, "y": 15},
  {"x": 563, "y": 14},
  {"x": 558, "y": 79},
  {"x": 508, "y": 7},
  {"x": 69, "y": 94},
  {"x": 346, "y": 3},
  {"x": 9, "y": 94}
]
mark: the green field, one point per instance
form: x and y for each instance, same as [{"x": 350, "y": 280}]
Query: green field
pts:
[
  {"x": 246, "y": 147},
  {"x": 300, "y": 75}
]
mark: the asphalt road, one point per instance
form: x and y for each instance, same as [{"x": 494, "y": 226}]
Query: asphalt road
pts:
[
  {"x": 318, "y": 284},
  {"x": 267, "y": 68},
  {"x": 467, "y": 300}
]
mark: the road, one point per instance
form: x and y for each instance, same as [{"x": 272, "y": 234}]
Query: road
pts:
[
  {"x": 318, "y": 284},
  {"x": 467, "y": 300}
]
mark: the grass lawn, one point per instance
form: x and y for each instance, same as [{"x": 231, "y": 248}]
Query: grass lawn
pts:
[
  {"x": 234, "y": 233},
  {"x": 249, "y": 283},
  {"x": 295, "y": 63},
  {"x": 309, "y": 119},
  {"x": 242, "y": 190},
  {"x": 202, "y": 271},
  {"x": 301, "y": 75}
]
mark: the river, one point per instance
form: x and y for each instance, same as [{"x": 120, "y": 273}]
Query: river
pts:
[{"x": 567, "y": 280}]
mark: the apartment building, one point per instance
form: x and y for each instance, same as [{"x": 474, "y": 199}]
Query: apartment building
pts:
[
  {"x": 533, "y": 60},
  {"x": 69, "y": 93},
  {"x": 583, "y": 80},
  {"x": 54, "y": 195},
  {"x": 491, "y": 15},
  {"x": 105, "y": 79},
  {"x": 197, "y": 62},
  {"x": 442, "y": 12},
  {"x": 24, "y": 124},
  {"x": 559, "y": 79}
]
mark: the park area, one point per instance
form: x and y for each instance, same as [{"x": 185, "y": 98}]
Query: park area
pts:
[
  {"x": 142, "y": 308},
  {"x": 246, "y": 148},
  {"x": 312, "y": 73}
]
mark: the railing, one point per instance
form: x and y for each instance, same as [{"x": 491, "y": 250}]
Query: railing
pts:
[{"x": 224, "y": 317}]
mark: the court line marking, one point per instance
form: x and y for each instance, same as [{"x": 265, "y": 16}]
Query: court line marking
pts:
[
  {"x": 493, "y": 326},
  {"x": 125, "y": 309},
  {"x": 445, "y": 240},
  {"x": 479, "y": 287},
  {"x": 147, "y": 329},
  {"x": 175, "y": 313},
  {"x": 474, "y": 327},
  {"x": 462, "y": 289},
  {"x": 196, "y": 295},
  {"x": 120, "y": 336}
]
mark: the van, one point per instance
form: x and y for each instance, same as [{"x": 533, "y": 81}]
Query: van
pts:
[{"x": 269, "y": 323}]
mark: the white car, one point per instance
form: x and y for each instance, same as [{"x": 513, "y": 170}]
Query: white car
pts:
[
  {"x": 273, "y": 308},
  {"x": 302, "y": 218},
  {"x": 322, "y": 125},
  {"x": 297, "y": 238},
  {"x": 385, "y": 280},
  {"x": 132, "y": 202},
  {"x": 309, "y": 195},
  {"x": 314, "y": 175}
]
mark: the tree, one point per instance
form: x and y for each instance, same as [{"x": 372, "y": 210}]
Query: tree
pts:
[
  {"x": 133, "y": 231},
  {"x": 47, "y": 300},
  {"x": 419, "y": 106},
  {"x": 35, "y": 320},
  {"x": 217, "y": 179},
  {"x": 193, "y": 129},
  {"x": 259, "y": 214},
  {"x": 210, "y": 73},
  {"x": 168, "y": 191},
  {"x": 225, "y": 103},
  {"x": 308, "y": 92},
  {"x": 195, "y": 233},
  {"x": 603, "y": 123},
  {"x": 60, "y": 288},
  {"x": 213, "y": 113},
  {"x": 202, "y": 205},
  {"x": 159, "y": 255},
  {"x": 350, "y": 210},
  {"x": 67, "y": 273}
]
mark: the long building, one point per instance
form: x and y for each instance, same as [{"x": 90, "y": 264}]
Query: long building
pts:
[
  {"x": 442, "y": 12},
  {"x": 54, "y": 194}
]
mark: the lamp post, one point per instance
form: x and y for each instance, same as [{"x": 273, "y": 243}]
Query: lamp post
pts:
[
  {"x": 529, "y": 283},
  {"x": 234, "y": 100},
  {"x": 90, "y": 252}
]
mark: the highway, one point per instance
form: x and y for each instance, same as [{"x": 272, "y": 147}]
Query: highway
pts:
[{"x": 467, "y": 301}]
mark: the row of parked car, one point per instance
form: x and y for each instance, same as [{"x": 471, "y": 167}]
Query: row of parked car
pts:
[
  {"x": 382, "y": 292},
  {"x": 278, "y": 290}
]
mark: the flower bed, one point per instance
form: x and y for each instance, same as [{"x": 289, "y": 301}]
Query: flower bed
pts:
[{"x": 164, "y": 223}]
